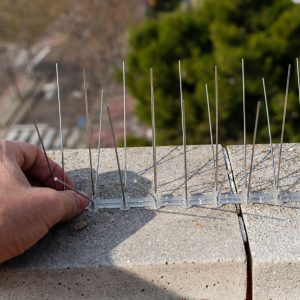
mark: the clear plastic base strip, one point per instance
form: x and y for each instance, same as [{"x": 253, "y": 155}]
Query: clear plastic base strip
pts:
[{"x": 214, "y": 200}]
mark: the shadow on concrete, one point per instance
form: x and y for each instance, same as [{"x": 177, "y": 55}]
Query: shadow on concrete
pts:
[
  {"x": 70, "y": 264},
  {"x": 263, "y": 161},
  {"x": 109, "y": 185}
]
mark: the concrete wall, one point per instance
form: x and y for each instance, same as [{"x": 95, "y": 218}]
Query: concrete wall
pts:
[
  {"x": 233, "y": 252},
  {"x": 171, "y": 253},
  {"x": 273, "y": 231}
]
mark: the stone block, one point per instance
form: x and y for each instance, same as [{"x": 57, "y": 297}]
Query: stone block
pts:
[
  {"x": 273, "y": 231},
  {"x": 170, "y": 253}
]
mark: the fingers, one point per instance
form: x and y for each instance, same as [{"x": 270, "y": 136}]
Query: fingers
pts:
[
  {"x": 28, "y": 213},
  {"x": 58, "y": 206},
  {"x": 36, "y": 166},
  {"x": 33, "y": 163},
  {"x": 33, "y": 182}
]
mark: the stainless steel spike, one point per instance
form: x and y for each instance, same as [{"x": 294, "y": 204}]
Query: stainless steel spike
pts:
[
  {"x": 71, "y": 188},
  {"x": 99, "y": 140},
  {"x": 153, "y": 131},
  {"x": 125, "y": 128},
  {"x": 60, "y": 126},
  {"x": 253, "y": 146},
  {"x": 144, "y": 189},
  {"x": 217, "y": 127},
  {"x": 244, "y": 121},
  {"x": 283, "y": 123},
  {"x": 88, "y": 129},
  {"x": 210, "y": 129},
  {"x": 270, "y": 133},
  {"x": 117, "y": 157},
  {"x": 44, "y": 150},
  {"x": 183, "y": 135}
]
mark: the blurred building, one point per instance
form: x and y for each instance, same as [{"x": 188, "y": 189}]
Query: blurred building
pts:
[{"x": 91, "y": 35}]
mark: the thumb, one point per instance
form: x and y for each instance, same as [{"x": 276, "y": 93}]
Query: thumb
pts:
[{"x": 60, "y": 206}]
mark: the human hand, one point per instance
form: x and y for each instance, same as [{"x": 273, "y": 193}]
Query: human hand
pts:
[{"x": 29, "y": 206}]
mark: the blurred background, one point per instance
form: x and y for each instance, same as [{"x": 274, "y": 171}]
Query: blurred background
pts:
[{"x": 99, "y": 34}]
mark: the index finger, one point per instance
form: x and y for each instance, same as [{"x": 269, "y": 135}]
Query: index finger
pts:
[{"x": 33, "y": 163}]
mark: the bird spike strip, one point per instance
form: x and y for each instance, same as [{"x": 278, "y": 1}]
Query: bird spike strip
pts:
[{"x": 155, "y": 200}]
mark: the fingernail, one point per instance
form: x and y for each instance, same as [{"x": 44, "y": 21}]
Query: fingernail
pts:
[{"x": 83, "y": 202}]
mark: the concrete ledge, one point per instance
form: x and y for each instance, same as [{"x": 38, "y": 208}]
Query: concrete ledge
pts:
[
  {"x": 273, "y": 231},
  {"x": 171, "y": 253}
]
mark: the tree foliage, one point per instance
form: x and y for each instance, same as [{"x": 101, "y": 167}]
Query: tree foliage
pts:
[
  {"x": 159, "y": 6},
  {"x": 217, "y": 32}
]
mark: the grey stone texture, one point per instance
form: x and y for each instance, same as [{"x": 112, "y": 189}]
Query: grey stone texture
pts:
[
  {"x": 170, "y": 253},
  {"x": 273, "y": 231}
]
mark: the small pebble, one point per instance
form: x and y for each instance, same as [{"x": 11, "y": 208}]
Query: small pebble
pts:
[{"x": 79, "y": 225}]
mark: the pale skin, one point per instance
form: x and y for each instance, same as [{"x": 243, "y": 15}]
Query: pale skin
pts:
[{"x": 29, "y": 204}]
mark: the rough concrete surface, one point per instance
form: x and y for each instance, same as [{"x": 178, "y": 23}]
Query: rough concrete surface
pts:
[
  {"x": 171, "y": 253},
  {"x": 273, "y": 231}
]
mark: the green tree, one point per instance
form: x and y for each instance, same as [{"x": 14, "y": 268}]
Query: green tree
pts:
[
  {"x": 217, "y": 32},
  {"x": 158, "y": 6}
]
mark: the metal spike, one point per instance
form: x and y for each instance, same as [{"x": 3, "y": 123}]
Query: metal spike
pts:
[
  {"x": 270, "y": 133},
  {"x": 217, "y": 127},
  {"x": 125, "y": 134},
  {"x": 283, "y": 122},
  {"x": 117, "y": 156},
  {"x": 99, "y": 141},
  {"x": 43, "y": 147},
  {"x": 298, "y": 78},
  {"x": 210, "y": 129},
  {"x": 88, "y": 129},
  {"x": 221, "y": 185},
  {"x": 60, "y": 126},
  {"x": 253, "y": 146},
  {"x": 144, "y": 189},
  {"x": 71, "y": 188},
  {"x": 153, "y": 131},
  {"x": 244, "y": 121},
  {"x": 183, "y": 134}
]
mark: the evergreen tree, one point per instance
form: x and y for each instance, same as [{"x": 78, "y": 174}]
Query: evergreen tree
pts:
[{"x": 217, "y": 32}]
